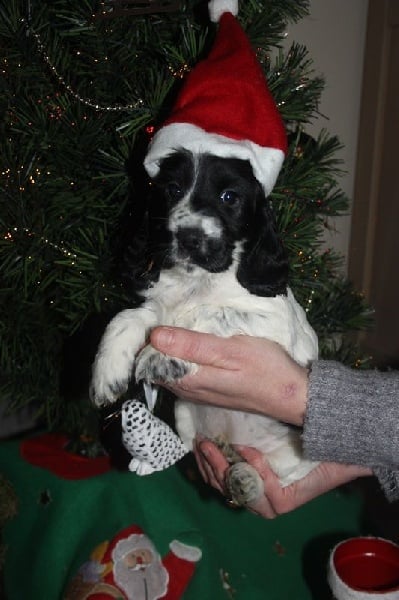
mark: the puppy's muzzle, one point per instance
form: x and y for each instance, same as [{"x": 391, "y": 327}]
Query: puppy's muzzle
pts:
[
  {"x": 189, "y": 240},
  {"x": 196, "y": 247},
  {"x": 200, "y": 248}
]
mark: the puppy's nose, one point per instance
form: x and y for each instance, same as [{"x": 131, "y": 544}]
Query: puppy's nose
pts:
[{"x": 187, "y": 238}]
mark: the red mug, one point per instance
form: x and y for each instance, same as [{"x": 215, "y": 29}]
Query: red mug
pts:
[{"x": 364, "y": 568}]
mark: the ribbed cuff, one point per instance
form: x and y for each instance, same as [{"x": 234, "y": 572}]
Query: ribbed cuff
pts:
[{"x": 389, "y": 482}]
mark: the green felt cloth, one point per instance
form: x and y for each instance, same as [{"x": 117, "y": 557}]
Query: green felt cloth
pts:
[{"x": 60, "y": 522}]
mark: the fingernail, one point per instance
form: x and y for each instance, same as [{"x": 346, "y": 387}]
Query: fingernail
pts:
[
  {"x": 164, "y": 337},
  {"x": 204, "y": 450}
]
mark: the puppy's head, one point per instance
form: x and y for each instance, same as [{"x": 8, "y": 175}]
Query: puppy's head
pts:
[{"x": 217, "y": 215}]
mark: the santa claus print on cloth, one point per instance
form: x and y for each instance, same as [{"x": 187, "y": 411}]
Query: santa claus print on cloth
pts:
[{"x": 129, "y": 567}]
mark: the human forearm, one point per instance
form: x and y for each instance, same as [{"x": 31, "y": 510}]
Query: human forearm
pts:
[{"x": 353, "y": 417}]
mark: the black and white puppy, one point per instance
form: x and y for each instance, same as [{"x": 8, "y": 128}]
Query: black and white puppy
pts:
[{"x": 221, "y": 269}]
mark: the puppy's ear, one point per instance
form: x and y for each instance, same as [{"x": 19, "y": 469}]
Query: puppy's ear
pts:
[{"x": 263, "y": 268}]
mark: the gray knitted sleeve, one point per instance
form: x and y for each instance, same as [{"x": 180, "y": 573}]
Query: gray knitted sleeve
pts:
[{"x": 353, "y": 417}]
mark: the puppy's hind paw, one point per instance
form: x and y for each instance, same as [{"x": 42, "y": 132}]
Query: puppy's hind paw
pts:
[{"x": 244, "y": 484}]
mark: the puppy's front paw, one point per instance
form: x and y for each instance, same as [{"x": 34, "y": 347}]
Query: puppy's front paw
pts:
[
  {"x": 152, "y": 365},
  {"x": 110, "y": 379},
  {"x": 122, "y": 339},
  {"x": 244, "y": 484}
]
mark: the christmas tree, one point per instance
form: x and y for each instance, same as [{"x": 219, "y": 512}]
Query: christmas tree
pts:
[{"x": 84, "y": 84}]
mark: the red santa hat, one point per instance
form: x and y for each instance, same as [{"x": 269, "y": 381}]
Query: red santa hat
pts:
[{"x": 225, "y": 107}]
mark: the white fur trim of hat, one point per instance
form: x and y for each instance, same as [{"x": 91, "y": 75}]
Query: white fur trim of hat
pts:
[{"x": 266, "y": 162}]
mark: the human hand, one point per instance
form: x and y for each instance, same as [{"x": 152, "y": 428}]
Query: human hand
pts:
[
  {"x": 277, "y": 500},
  {"x": 240, "y": 372}
]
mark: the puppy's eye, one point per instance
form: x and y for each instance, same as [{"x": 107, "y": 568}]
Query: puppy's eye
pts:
[
  {"x": 229, "y": 197},
  {"x": 174, "y": 191}
]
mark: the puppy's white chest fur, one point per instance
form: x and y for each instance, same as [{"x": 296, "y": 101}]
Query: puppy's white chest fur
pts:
[{"x": 219, "y": 304}]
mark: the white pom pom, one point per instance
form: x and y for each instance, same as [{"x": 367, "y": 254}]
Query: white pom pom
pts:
[{"x": 218, "y": 7}]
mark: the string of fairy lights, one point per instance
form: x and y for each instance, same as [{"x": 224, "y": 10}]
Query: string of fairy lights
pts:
[
  {"x": 68, "y": 88},
  {"x": 11, "y": 235}
]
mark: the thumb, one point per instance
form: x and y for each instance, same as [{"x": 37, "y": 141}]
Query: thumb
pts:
[{"x": 200, "y": 348}]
